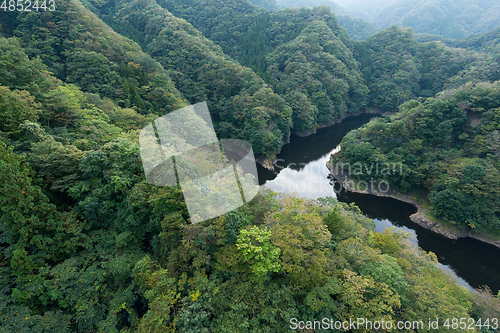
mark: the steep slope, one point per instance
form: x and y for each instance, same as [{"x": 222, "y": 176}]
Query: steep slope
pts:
[
  {"x": 396, "y": 68},
  {"x": 68, "y": 162},
  {"x": 241, "y": 104},
  {"x": 488, "y": 42},
  {"x": 317, "y": 67},
  {"x": 449, "y": 18},
  {"x": 264, "y": 32},
  {"x": 249, "y": 34},
  {"x": 392, "y": 72},
  {"x": 79, "y": 48},
  {"x": 333, "y": 84},
  {"x": 411, "y": 71}
]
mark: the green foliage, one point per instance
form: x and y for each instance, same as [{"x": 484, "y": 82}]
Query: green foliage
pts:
[
  {"x": 79, "y": 48},
  {"x": 318, "y": 65},
  {"x": 106, "y": 177},
  {"x": 206, "y": 73},
  {"x": 357, "y": 28},
  {"x": 391, "y": 73},
  {"x": 258, "y": 252},
  {"x": 161, "y": 292},
  {"x": 56, "y": 163},
  {"x": 16, "y": 107},
  {"x": 488, "y": 42},
  {"x": 93, "y": 72},
  {"x": 87, "y": 245},
  {"x": 362, "y": 296},
  {"x": 61, "y": 104},
  {"x": 302, "y": 239},
  {"x": 440, "y": 63},
  {"x": 321, "y": 82},
  {"x": 387, "y": 270},
  {"x": 17, "y": 71},
  {"x": 28, "y": 218}
]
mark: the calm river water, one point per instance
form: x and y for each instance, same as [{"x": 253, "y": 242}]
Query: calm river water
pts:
[{"x": 301, "y": 168}]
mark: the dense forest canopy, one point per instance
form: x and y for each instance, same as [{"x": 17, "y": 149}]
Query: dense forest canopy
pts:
[{"x": 88, "y": 245}]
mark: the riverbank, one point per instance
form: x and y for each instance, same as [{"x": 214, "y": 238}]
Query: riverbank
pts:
[
  {"x": 268, "y": 163},
  {"x": 422, "y": 217}
]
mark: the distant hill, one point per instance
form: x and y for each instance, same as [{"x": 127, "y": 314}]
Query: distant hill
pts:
[
  {"x": 488, "y": 42},
  {"x": 366, "y": 9},
  {"x": 448, "y": 18},
  {"x": 267, "y": 4},
  {"x": 357, "y": 28},
  {"x": 456, "y": 19},
  {"x": 338, "y": 10}
]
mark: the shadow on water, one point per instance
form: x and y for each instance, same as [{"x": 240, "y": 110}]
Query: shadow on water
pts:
[
  {"x": 475, "y": 262},
  {"x": 472, "y": 262}
]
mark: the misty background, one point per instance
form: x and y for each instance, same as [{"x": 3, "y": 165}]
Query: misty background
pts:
[{"x": 456, "y": 19}]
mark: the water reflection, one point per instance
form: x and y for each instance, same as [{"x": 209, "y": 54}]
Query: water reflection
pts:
[
  {"x": 301, "y": 168},
  {"x": 309, "y": 182}
]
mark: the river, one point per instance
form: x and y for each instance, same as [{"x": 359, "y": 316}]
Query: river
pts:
[{"x": 301, "y": 168}]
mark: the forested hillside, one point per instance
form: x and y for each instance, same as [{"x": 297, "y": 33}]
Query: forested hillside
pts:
[
  {"x": 356, "y": 27},
  {"x": 202, "y": 72},
  {"x": 258, "y": 39},
  {"x": 263, "y": 41},
  {"x": 449, "y": 18},
  {"x": 366, "y": 9},
  {"x": 456, "y": 19},
  {"x": 312, "y": 3},
  {"x": 267, "y": 4},
  {"x": 88, "y": 245},
  {"x": 488, "y": 42},
  {"x": 447, "y": 147},
  {"x": 396, "y": 68}
]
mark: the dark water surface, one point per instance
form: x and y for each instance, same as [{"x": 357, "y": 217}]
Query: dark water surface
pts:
[{"x": 301, "y": 168}]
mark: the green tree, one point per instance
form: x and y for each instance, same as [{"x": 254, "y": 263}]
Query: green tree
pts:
[
  {"x": 302, "y": 238},
  {"x": 161, "y": 293},
  {"x": 16, "y": 107},
  {"x": 258, "y": 252}
]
